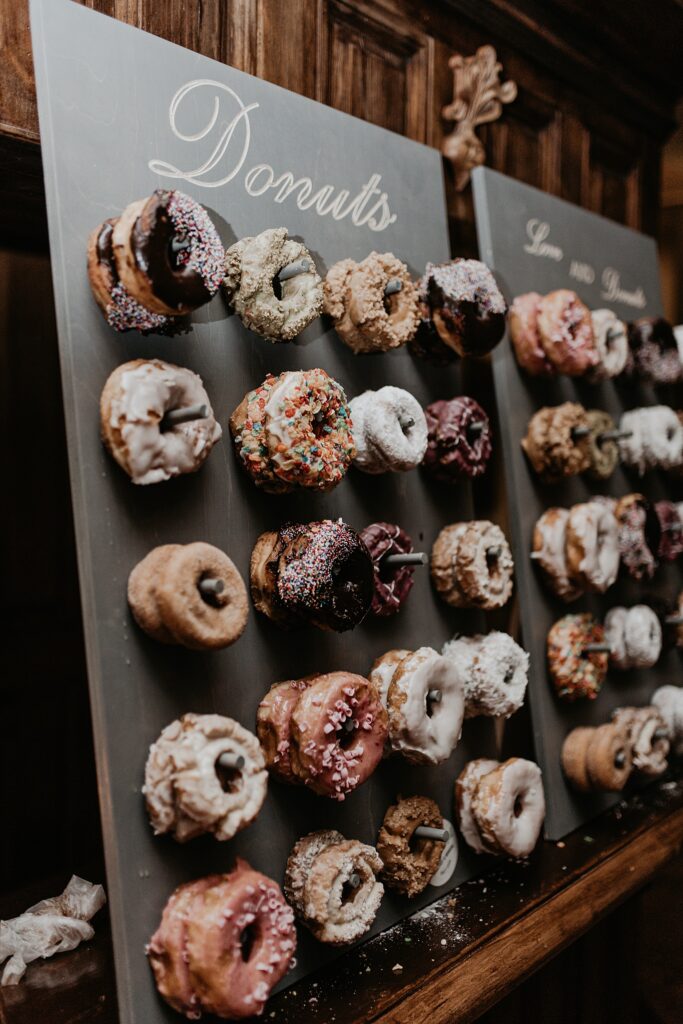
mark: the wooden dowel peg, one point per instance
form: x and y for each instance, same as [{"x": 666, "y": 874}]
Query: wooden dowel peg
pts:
[
  {"x": 186, "y": 415},
  {"x": 597, "y": 649},
  {"x": 427, "y": 832},
  {"x": 674, "y": 620},
  {"x": 394, "y": 286},
  {"x": 211, "y": 587},
  {"x": 408, "y": 558},
  {"x": 234, "y": 761},
  {"x": 614, "y": 435},
  {"x": 294, "y": 269},
  {"x": 578, "y": 432},
  {"x": 435, "y": 696}
]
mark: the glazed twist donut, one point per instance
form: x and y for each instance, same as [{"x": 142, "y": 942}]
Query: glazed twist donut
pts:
[
  {"x": 472, "y": 566},
  {"x": 466, "y": 305},
  {"x": 222, "y": 945},
  {"x": 670, "y": 522},
  {"x": 549, "y": 545},
  {"x": 552, "y": 445},
  {"x": 389, "y": 431},
  {"x": 648, "y": 736},
  {"x": 392, "y": 583},
  {"x": 656, "y": 438},
  {"x": 409, "y": 862},
  {"x": 575, "y": 672},
  {"x": 611, "y": 342},
  {"x": 565, "y": 329},
  {"x": 168, "y": 253},
  {"x": 592, "y": 546},
  {"x": 603, "y": 453},
  {"x": 319, "y": 883},
  {"x": 597, "y": 758},
  {"x": 654, "y": 350},
  {"x": 121, "y": 311},
  {"x": 669, "y": 702},
  {"x": 639, "y": 536},
  {"x": 135, "y": 399},
  {"x": 459, "y": 444},
  {"x": 364, "y": 317},
  {"x": 252, "y": 266},
  {"x": 495, "y": 671},
  {"x": 504, "y": 806},
  {"x": 634, "y": 636},
  {"x": 525, "y": 337}
]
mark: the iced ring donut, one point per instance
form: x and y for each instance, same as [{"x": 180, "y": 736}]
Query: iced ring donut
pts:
[
  {"x": 465, "y": 787},
  {"x": 389, "y": 430},
  {"x": 338, "y": 729},
  {"x": 597, "y": 758},
  {"x": 472, "y": 566},
  {"x": 671, "y": 530},
  {"x": 392, "y": 583},
  {"x": 654, "y": 350},
  {"x": 365, "y": 317},
  {"x": 459, "y": 444},
  {"x": 669, "y": 702},
  {"x": 634, "y": 636},
  {"x": 549, "y": 548},
  {"x": 294, "y": 431},
  {"x": 332, "y": 884},
  {"x": 223, "y": 943},
  {"x": 134, "y": 402},
  {"x": 648, "y": 736},
  {"x": 565, "y": 329},
  {"x": 382, "y": 671},
  {"x": 526, "y": 341},
  {"x": 592, "y": 546},
  {"x": 425, "y": 702},
  {"x": 504, "y": 806},
  {"x": 120, "y": 310},
  {"x": 274, "y": 309},
  {"x": 575, "y": 672},
  {"x": 319, "y": 574},
  {"x": 273, "y": 726},
  {"x": 639, "y": 536},
  {"x": 556, "y": 442},
  {"x": 495, "y": 671},
  {"x": 168, "y": 253},
  {"x": 167, "y": 602},
  {"x": 189, "y": 792},
  {"x": 655, "y": 438},
  {"x": 611, "y": 342},
  {"x": 603, "y": 452},
  {"x": 409, "y": 862},
  {"x": 466, "y": 305}
]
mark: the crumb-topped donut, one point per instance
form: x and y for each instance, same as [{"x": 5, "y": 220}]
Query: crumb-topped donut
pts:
[
  {"x": 459, "y": 444},
  {"x": 592, "y": 546},
  {"x": 494, "y": 669},
  {"x": 668, "y": 515},
  {"x": 611, "y": 342},
  {"x": 320, "y": 574},
  {"x": 549, "y": 547},
  {"x": 669, "y": 702},
  {"x": 187, "y": 790},
  {"x": 273, "y": 726},
  {"x": 653, "y": 437},
  {"x": 648, "y": 736},
  {"x": 466, "y": 305},
  {"x": 166, "y": 599},
  {"x": 168, "y": 253},
  {"x": 409, "y": 861},
  {"x": 654, "y": 350},
  {"x": 504, "y": 806},
  {"x": 556, "y": 441},
  {"x": 120, "y": 310},
  {"x": 603, "y": 452},
  {"x": 338, "y": 729},
  {"x": 525, "y": 337},
  {"x": 389, "y": 430},
  {"x": 252, "y": 266},
  {"x": 392, "y": 583},
  {"x": 134, "y": 401},
  {"x": 639, "y": 536},
  {"x": 294, "y": 431},
  {"x": 425, "y": 703},
  {"x": 565, "y": 329},
  {"x": 472, "y": 566},
  {"x": 574, "y": 671},
  {"x": 365, "y": 317},
  {"x": 634, "y": 636},
  {"x": 332, "y": 884},
  {"x": 222, "y": 945}
]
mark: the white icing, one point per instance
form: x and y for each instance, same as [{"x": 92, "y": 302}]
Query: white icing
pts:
[
  {"x": 552, "y": 530},
  {"x": 643, "y": 635},
  {"x": 384, "y": 443},
  {"x": 413, "y": 731},
  {"x": 611, "y": 341},
  {"x": 468, "y": 781},
  {"x": 615, "y": 636},
  {"x": 495, "y": 671},
  {"x": 521, "y": 782},
  {"x": 657, "y": 438},
  {"x": 597, "y": 531}
]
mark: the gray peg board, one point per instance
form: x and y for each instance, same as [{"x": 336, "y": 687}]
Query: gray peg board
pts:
[
  {"x": 535, "y": 242},
  {"x": 104, "y": 93}
]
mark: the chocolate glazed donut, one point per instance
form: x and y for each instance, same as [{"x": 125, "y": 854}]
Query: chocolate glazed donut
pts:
[{"x": 392, "y": 583}]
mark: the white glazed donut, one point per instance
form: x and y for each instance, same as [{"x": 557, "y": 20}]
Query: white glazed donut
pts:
[
  {"x": 465, "y": 787},
  {"x": 611, "y": 341},
  {"x": 642, "y": 636},
  {"x": 669, "y": 702},
  {"x": 382, "y": 671},
  {"x": 422, "y": 730},
  {"x": 509, "y": 806},
  {"x": 390, "y": 430},
  {"x": 656, "y": 438},
  {"x": 183, "y": 788},
  {"x": 495, "y": 671},
  {"x": 648, "y": 736},
  {"x": 615, "y": 636},
  {"x": 550, "y": 551},
  {"x": 592, "y": 546}
]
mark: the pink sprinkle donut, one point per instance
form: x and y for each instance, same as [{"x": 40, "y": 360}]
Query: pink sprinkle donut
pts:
[
  {"x": 565, "y": 328},
  {"x": 338, "y": 732},
  {"x": 455, "y": 447}
]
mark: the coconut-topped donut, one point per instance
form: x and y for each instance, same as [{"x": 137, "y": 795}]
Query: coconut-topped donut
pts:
[
  {"x": 653, "y": 437},
  {"x": 565, "y": 329},
  {"x": 556, "y": 441},
  {"x": 134, "y": 403},
  {"x": 648, "y": 736},
  {"x": 168, "y": 253},
  {"x": 575, "y": 671},
  {"x": 654, "y": 350},
  {"x": 494, "y": 669},
  {"x": 669, "y": 702},
  {"x": 366, "y": 318},
  {"x": 189, "y": 791},
  {"x": 392, "y": 583},
  {"x": 668, "y": 515},
  {"x": 472, "y": 566},
  {"x": 525, "y": 337},
  {"x": 502, "y": 807},
  {"x": 409, "y": 861},
  {"x": 639, "y": 536},
  {"x": 389, "y": 430},
  {"x": 634, "y": 636},
  {"x": 466, "y": 305},
  {"x": 277, "y": 310},
  {"x": 611, "y": 342},
  {"x": 459, "y": 445},
  {"x": 549, "y": 547},
  {"x": 592, "y": 546},
  {"x": 332, "y": 884}
]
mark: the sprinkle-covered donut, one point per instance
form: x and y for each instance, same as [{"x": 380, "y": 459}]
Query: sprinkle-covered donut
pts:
[
  {"x": 294, "y": 431},
  {"x": 332, "y": 884},
  {"x": 592, "y": 546},
  {"x": 465, "y": 787},
  {"x": 655, "y": 438},
  {"x": 365, "y": 317},
  {"x": 549, "y": 546},
  {"x": 459, "y": 444},
  {"x": 556, "y": 441},
  {"x": 166, "y": 600},
  {"x": 611, "y": 342},
  {"x": 525, "y": 338},
  {"x": 168, "y": 253},
  {"x": 273, "y": 726},
  {"x": 425, "y": 702},
  {"x": 503, "y": 806},
  {"x": 277, "y": 310},
  {"x": 223, "y": 943},
  {"x": 603, "y": 452},
  {"x": 466, "y": 305},
  {"x": 668, "y": 515},
  {"x": 392, "y": 583},
  {"x": 654, "y": 350},
  {"x": 575, "y": 672},
  {"x": 565, "y": 329},
  {"x": 669, "y": 702},
  {"x": 639, "y": 536},
  {"x": 495, "y": 671},
  {"x": 409, "y": 862},
  {"x": 426, "y": 343},
  {"x": 135, "y": 399},
  {"x": 634, "y": 636},
  {"x": 389, "y": 430},
  {"x": 648, "y": 736},
  {"x": 188, "y": 792},
  {"x": 338, "y": 729},
  {"x": 320, "y": 574},
  {"x": 472, "y": 566}
]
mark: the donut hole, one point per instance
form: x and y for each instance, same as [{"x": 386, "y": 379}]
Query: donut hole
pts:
[
  {"x": 213, "y": 599},
  {"x": 346, "y": 733},
  {"x": 247, "y": 941},
  {"x": 350, "y": 890},
  {"x": 619, "y": 759},
  {"x": 179, "y": 249},
  {"x": 518, "y": 806},
  {"x": 318, "y": 424},
  {"x": 277, "y": 287},
  {"x": 492, "y": 556},
  {"x": 432, "y": 703},
  {"x": 229, "y": 778}
]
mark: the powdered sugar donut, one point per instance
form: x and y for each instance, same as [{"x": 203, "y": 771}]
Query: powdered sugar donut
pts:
[
  {"x": 495, "y": 671},
  {"x": 472, "y": 566},
  {"x": 549, "y": 548},
  {"x": 509, "y": 806},
  {"x": 465, "y": 788},
  {"x": 654, "y": 350},
  {"x": 525, "y": 338},
  {"x": 592, "y": 546},
  {"x": 634, "y": 635},
  {"x": 389, "y": 430},
  {"x": 611, "y": 342},
  {"x": 669, "y": 702},
  {"x": 656, "y": 438},
  {"x": 648, "y": 736},
  {"x": 566, "y": 332}
]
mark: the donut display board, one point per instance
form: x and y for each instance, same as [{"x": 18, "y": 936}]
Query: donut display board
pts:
[
  {"x": 122, "y": 113},
  {"x": 535, "y": 242}
]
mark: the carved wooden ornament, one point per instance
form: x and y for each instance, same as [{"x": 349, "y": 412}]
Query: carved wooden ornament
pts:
[{"x": 478, "y": 97}]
